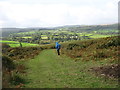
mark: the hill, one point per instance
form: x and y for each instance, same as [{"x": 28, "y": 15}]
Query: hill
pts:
[
  {"x": 42, "y": 36},
  {"x": 94, "y": 49},
  {"x": 77, "y": 28}
]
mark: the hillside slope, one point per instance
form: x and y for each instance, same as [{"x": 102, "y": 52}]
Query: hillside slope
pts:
[{"x": 95, "y": 49}]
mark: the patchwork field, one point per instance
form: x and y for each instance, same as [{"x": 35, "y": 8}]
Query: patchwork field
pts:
[{"x": 59, "y": 35}]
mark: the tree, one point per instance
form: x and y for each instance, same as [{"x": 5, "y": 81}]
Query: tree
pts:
[
  {"x": 20, "y": 44},
  {"x": 19, "y": 40}
]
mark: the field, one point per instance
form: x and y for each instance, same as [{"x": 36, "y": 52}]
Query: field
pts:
[
  {"x": 52, "y": 36},
  {"x": 17, "y": 44},
  {"x": 5, "y": 41},
  {"x": 24, "y": 33},
  {"x": 99, "y": 36},
  {"x": 61, "y": 34}
]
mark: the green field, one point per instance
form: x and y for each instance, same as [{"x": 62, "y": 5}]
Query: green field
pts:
[
  {"x": 26, "y": 37},
  {"x": 16, "y": 44},
  {"x": 5, "y": 41},
  {"x": 31, "y": 32},
  {"x": 23, "y": 44},
  {"x": 44, "y": 37},
  {"x": 58, "y": 35},
  {"x": 98, "y": 36}
]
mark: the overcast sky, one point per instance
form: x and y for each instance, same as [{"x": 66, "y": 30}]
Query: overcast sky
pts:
[{"x": 51, "y": 13}]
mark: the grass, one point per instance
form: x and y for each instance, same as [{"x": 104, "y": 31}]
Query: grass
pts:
[
  {"x": 26, "y": 37},
  {"x": 99, "y": 36},
  {"x": 31, "y": 32},
  {"x": 48, "y": 70},
  {"x": 23, "y": 44},
  {"x": 44, "y": 37},
  {"x": 5, "y": 41},
  {"x": 106, "y": 31},
  {"x": 16, "y": 44}
]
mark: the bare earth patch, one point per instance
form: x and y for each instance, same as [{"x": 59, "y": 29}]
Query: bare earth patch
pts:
[{"x": 109, "y": 71}]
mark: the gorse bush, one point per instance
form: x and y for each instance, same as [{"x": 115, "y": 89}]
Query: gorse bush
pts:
[
  {"x": 18, "y": 53},
  {"x": 7, "y": 63},
  {"x": 4, "y": 45},
  {"x": 71, "y": 46},
  {"x": 100, "y": 55},
  {"x": 110, "y": 42},
  {"x": 10, "y": 77},
  {"x": 16, "y": 79},
  {"x": 93, "y": 49}
]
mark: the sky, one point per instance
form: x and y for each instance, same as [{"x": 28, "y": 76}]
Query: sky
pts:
[{"x": 52, "y": 13}]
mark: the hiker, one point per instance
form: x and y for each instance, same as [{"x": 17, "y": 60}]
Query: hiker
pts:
[{"x": 58, "y": 48}]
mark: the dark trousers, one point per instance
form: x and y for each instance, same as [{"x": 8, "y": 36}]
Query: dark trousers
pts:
[{"x": 58, "y": 51}]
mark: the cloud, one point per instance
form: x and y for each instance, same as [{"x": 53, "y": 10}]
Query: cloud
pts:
[{"x": 44, "y": 14}]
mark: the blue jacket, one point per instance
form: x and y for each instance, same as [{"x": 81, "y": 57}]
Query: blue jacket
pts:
[{"x": 57, "y": 46}]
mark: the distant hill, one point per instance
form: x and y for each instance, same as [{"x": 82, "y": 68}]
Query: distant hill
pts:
[
  {"x": 7, "y": 31},
  {"x": 77, "y": 28},
  {"x": 86, "y": 28}
]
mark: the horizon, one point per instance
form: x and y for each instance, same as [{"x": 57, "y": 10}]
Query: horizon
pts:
[
  {"x": 55, "y": 13},
  {"x": 62, "y": 26}
]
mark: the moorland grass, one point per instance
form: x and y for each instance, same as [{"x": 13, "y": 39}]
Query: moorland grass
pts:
[{"x": 48, "y": 70}]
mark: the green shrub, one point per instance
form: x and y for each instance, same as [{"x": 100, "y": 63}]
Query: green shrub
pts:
[
  {"x": 10, "y": 76},
  {"x": 4, "y": 45},
  {"x": 71, "y": 46},
  {"x": 16, "y": 79},
  {"x": 7, "y": 63},
  {"x": 100, "y": 55},
  {"x": 93, "y": 49},
  {"x": 109, "y": 42}
]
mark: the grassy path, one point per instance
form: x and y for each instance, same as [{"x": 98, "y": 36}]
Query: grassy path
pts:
[{"x": 48, "y": 70}]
